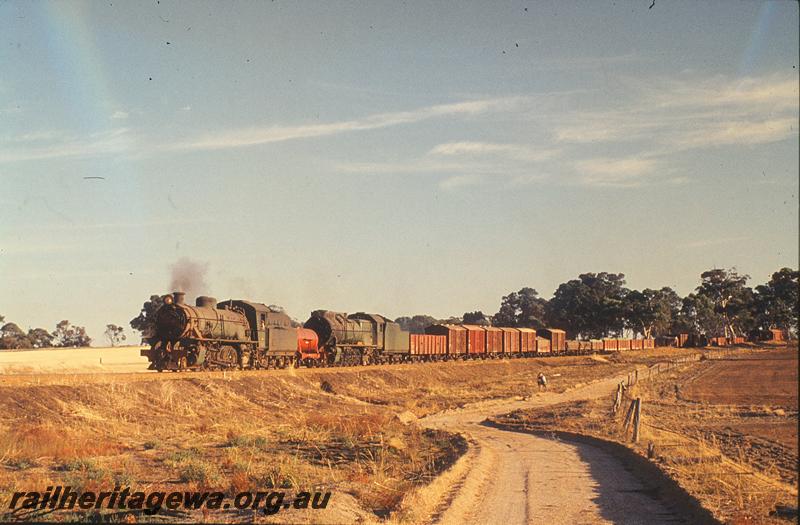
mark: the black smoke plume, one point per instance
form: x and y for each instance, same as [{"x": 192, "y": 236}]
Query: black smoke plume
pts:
[{"x": 190, "y": 277}]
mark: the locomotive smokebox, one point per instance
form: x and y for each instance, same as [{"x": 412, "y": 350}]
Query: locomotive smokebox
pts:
[
  {"x": 179, "y": 297},
  {"x": 205, "y": 301}
]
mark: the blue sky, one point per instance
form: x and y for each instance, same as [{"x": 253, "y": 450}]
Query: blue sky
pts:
[{"x": 383, "y": 156}]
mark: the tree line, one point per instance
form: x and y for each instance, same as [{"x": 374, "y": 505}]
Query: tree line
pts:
[
  {"x": 597, "y": 305},
  {"x": 66, "y": 335}
]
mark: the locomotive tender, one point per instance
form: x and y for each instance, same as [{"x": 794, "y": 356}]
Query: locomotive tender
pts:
[{"x": 244, "y": 334}]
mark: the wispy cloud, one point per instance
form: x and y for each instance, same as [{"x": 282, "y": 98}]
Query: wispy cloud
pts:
[
  {"x": 472, "y": 163},
  {"x": 773, "y": 92},
  {"x": 424, "y": 165},
  {"x": 625, "y": 172},
  {"x": 121, "y": 139},
  {"x": 510, "y": 151},
  {"x": 739, "y": 132},
  {"x": 625, "y": 145},
  {"x": 683, "y": 114},
  {"x": 264, "y": 135},
  {"x": 661, "y": 118},
  {"x": 51, "y": 145}
]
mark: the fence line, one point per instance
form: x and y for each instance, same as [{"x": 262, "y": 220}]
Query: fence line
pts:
[{"x": 633, "y": 415}]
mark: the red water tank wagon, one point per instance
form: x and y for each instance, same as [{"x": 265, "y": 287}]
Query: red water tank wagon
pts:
[{"x": 307, "y": 343}]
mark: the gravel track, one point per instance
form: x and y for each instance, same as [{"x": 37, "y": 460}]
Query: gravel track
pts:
[{"x": 517, "y": 478}]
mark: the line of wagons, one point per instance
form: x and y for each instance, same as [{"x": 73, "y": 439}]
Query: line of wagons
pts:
[{"x": 474, "y": 341}]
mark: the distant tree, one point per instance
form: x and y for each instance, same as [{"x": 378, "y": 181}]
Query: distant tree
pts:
[
  {"x": 651, "y": 312},
  {"x": 589, "y": 306},
  {"x": 732, "y": 299},
  {"x": 523, "y": 309},
  {"x": 416, "y": 324},
  {"x": 698, "y": 315},
  {"x": 144, "y": 322},
  {"x": 12, "y": 337},
  {"x": 114, "y": 334},
  {"x": 67, "y": 335},
  {"x": 40, "y": 338},
  {"x": 776, "y": 302},
  {"x": 477, "y": 318}
]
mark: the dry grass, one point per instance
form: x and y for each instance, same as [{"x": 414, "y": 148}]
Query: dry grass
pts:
[{"x": 317, "y": 429}]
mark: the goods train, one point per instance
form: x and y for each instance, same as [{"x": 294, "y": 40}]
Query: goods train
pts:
[{"x": 244, "y": 334}]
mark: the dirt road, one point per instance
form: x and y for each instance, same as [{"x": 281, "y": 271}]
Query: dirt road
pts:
[{"x": 510, "y": 478}]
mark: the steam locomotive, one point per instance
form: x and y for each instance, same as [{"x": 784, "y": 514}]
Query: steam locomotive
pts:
[
  {"x": 248, "y": 335},
  {"x": 230, "y": 334}
]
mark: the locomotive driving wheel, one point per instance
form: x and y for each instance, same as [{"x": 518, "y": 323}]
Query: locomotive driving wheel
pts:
[{"x": 228, "y": 356}]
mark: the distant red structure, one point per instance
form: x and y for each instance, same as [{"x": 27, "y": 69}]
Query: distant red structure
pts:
[{"x": 777, "y": 335}]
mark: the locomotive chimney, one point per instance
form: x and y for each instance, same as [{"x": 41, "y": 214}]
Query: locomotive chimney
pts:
[{"x": 178, "y": 296}]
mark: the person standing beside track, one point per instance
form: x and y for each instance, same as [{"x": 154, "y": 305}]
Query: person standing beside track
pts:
[{"x": 541, "y": 380}]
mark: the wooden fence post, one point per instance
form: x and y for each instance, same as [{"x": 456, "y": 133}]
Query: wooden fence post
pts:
[
  {"x": 637, "y": 419},
  {"x": 627, "y": 422}
]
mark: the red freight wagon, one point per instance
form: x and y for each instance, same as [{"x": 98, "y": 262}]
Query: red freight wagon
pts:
[
  {"x": 557, "y": 338},
  {"x": 649, "y": 343},
  {"x": 424, "y": 344},
  {"x": 494, "y": 340},
  {"x": 573, "y": 346},
  {"x": 719, "y": 341},
  {"x": 637, "y": 344},
  {"x": 776, "y": 334},
  {"x": 610, "y": 345},
  {"x": 542, "y": 345},
  {"x": 527, "y": 340},
  {"x": 456, "y": 337},
  {"x": 623, "y": 344},
  {"x": 510, "y": 340},
  {"x": 596, "y": 344},
  {"x": 476, "y": 339}
]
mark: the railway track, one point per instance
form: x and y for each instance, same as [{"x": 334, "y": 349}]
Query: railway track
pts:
[{"x": 103, "y": 374}]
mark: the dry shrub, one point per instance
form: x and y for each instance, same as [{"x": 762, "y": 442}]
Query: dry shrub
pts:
[
  {"x": 240, "y": 482},
  {"x": 199, "y": 472},
  {"x": 351, "y": 426},
  {"x": 382, "y": 499}
]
